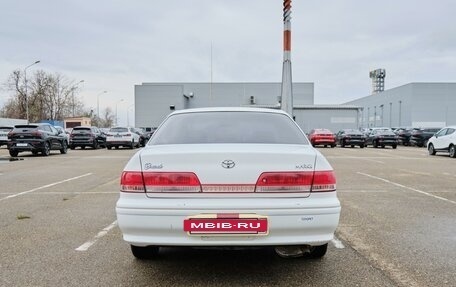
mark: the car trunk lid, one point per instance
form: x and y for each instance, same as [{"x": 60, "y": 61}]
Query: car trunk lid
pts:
[{"x": 233, "y": 168}]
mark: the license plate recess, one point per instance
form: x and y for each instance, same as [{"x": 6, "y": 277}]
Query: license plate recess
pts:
[{"x": 232, "y": 224}]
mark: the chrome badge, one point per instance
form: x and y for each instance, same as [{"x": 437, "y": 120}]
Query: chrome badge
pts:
[{"x": 228, "y": 164}]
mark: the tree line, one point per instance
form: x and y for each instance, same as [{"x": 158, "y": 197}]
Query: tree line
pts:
[{"x": 48, "y": 97}]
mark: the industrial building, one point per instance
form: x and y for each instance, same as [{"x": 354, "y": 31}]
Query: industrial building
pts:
[
  {"x": 410, "y": 105},
  {"x": 154, "y": 101}
]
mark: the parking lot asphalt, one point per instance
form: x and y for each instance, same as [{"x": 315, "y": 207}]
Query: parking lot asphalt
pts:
[{"x": 397, "y": 228}]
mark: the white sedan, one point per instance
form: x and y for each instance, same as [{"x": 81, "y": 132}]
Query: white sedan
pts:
[{"x": 228, "y": 177}]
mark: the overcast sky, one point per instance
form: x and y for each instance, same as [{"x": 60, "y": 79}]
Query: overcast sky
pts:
[{"x": 113, "y": 45}]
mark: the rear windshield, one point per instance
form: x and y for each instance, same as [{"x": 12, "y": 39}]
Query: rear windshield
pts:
[
  {"x": 81, "y": 130},
  {"x": 119, "y": 130},
  {"x": 228, "y": 127}
]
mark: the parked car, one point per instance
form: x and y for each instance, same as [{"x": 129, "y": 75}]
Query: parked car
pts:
[
  {"x": 420, "y": 137},
  {"x": 220, "y": 177},
  {"x": 83, "y": 137},
  {"x": 403, "y": 135},
  {"x": 64, "y": 133},
  {"x": 143, "y": 136},
  {"x": 35, "y": 138},
  {"x": 351, "y": 137},
  {"x": 122, "y": 137},
  {"x": 443, "y": 141},
  {"x": 382, "y": 138},
  {"x": 4, "y": 130},
  {"x": 323, "y": 137}
]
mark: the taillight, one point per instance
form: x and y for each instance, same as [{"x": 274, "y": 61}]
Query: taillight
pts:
[
  {"x": 171, "y": 182},
  {"x": 318, "y": 181},
  {"x": 284, "y": 182},
  {"x": 324, "y": 181},
  {"x": 131, "y": 181}
]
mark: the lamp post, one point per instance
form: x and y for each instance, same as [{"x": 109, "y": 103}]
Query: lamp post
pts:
[
  {"x": 98, "y": 102},
  {"x": 72, "y": 92},
  {"x": 26, "y": 96},
  {"x": 121, "y": 100},
  {"x": 128, "y": 114}
]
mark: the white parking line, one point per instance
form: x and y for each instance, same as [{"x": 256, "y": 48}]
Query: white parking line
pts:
[
  {"x": 337, "y": 243},
  {"x": 45, "y": 186},
  {"x": 406, "y": 187},
  {"x": 88, "y": 244}
]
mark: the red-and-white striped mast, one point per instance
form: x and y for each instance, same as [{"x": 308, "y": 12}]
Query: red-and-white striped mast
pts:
[{"x": 287, "y": 90}]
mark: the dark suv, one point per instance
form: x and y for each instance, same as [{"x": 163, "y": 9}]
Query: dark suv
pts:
[
  {"x": 420, "y": 137},
  {"x": 87, "y": 136},
  {"x": 36, "y": 138}
]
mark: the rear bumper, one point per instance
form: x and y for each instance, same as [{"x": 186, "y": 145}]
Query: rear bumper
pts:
[
  {"x": 354, "y": 142},
  {"x": 324, "y": 141},
  {"x": 36, "y": 145},
  {"x": 81, "y": 142},
  {"x": 292, "y": 221},
  {"x": 114, "y": 143}
]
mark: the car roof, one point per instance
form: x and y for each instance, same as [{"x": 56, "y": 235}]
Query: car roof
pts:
[
  {"x": 228, "y": 109},
  {"x": 33, "y": 124}
]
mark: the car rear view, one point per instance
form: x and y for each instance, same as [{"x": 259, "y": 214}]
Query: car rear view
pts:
[
  {"x": 35, "y": 138},
  {"x": 86, "y": 137},
  {"x": 122, "y": 137},
  {"x": 322, "y": 137},
  {"x": 4, "y": 131},
  {"x": 219, "y": 177}
]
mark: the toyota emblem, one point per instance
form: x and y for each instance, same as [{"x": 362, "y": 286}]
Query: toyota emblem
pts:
[{"x": 228, "y": 163}]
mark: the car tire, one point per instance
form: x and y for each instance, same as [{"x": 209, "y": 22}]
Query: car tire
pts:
[
  {"x": 72, "y": 147},
  {"x": 431, "y": 149},
  {"x": 318, "y": 251},
  {"x": 132, "y": 145},
  {"x": 95, "y": 145},
  {"x": 145, "y": 253},
  {"x": 109, "y": 147},
  {"x": 383, "y": 146},
  {"x": 83, "y": 147},
  {"x": 116, "y": 147},
  {"x": 34, "y": 152},
  {"x": 64, "y": 148},
  {"x": 394, "y": 146},
  {"x": 352, "y": 145},
  {"x": 13, "y": 153},
  {"x": 46, "y": 149},
  {"x": 374, "y": 143},
  {"x": 342, "y": 143},
  {"x": 333, "y": 146},
  {"x": 361, "y": 146},
  {"x": 452, "y": 151}
]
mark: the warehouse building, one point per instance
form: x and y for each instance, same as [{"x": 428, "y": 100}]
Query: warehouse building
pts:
[
  {"x": 154, "y": 101},
  {"x": 410, "y": 105}
]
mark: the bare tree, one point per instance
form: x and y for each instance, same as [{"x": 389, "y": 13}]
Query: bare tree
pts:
[
  {"x": 50, "y": 96},
  {"x": 107, "y": 120}
]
